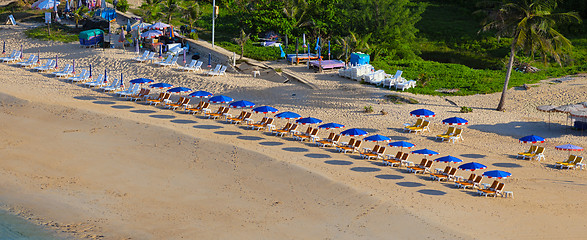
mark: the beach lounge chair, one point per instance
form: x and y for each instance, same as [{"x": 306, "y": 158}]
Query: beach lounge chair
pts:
[
  {"x": 457, "y": 135},
  {"x": 221, "y": 72},
  {"x": 403, "y": 85},
  {"x": 475, "y": 183},
  {"x": 241, "y": 115},
  {"x": 130, "y": 90},
  {"x": 418, "y": 123},
  {"x": 571, "y": 159},
  {"x": 423, "y": 128},
  {"x": 267, "y": 126},
  {"x": 493, "y": 186},
  {"x": 578, "y": 160},
  {"x": 304, "y": 137},
  {"x": 149, "y": 57},
  {"x": 114, "y": 85},
  {"x": 293, "y": 128},
  {"x": 493, "y": 191},
  {"x": 434, "y": 176},
  {"x": 421, "y": 168},
  {"x": 357, "y": 146},
  {"x": 263, "y": 121},
  {"x": 197, "y": 67},
  {"x": 49, "y": 65},
  {"x": 345, "y": 147},
  {"x": 391, "y": 160},
  {"x": 99, "y": 81},
  {"x": 29, "y": 62},
  {"x": 368, "y": 153},
  {"x": 190, "y": 65},
  {"x": 82, "y": 76},
  {"x": 160, "y": 99},
  {"x": 471, "y": 179},
  {"x": 374, "y": 154},
  {"x": 285, "y": 129},
  {"x": 65, "y": 72},
  {"x": 531, "y": 151},
  {"x": 16, "y": 58},
  {"x": 241, "y": 119},
  {"x": 198, "y": 108},
  {"x": 11, "y": 57},
  {"x": 172, "y": 63},
  {"x": 216, "y": 70},
  {"x": 165, "y": 61},
  {"x": 329, "y": 142},
  {"x": 390, "y": 82},
  {"x": 143, "y": 57},
  {"x": 329, "y": 138},
  {"x": 221, "y": 111},
  {"x": 445, "y": 175},
  {"x": 449, "y": 132},
  {"x": 538, "y": 155},
  {"x": 297, "y": 135},
  {"x": 143, "y": 94},
  {"x": 181, "y": 102}
]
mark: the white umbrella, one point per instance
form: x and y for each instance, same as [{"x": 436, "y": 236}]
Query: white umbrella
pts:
[{"x": 547, "y": 108}]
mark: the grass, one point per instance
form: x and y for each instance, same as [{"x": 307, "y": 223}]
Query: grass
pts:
[
  {"x": 467, "y": 80},
  {"x": 397, "y": 99},
  {"x": 59, "y": 33}
]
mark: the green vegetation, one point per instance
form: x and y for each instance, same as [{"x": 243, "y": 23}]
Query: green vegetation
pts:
[
  {"x": 397, "y": 99},
  {"x": 59, "y": 33},
  {"x": 368, "y": 109},
  {"x": 466, "y": 109}
]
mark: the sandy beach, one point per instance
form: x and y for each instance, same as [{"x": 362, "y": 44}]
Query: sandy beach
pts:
[{"x": 93, "y": 166}]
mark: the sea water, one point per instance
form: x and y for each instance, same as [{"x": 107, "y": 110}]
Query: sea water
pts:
[{"x": 16, "y": 228}]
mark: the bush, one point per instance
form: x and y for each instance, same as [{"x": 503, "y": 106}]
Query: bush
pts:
[
  {"x": 122, "y": 5},
  {"x": 466, "y": 109},
  {"x": 59, "y": 33},
  {"x": 368, "y": 109}
]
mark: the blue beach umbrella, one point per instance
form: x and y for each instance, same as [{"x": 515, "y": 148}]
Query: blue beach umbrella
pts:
[
  {"x": 455, "y": 121},
  {"x": 220, "y": 99},
  {"x": 151, "y": 34},
  {"x": 161, "y": 51},
  {"x": 448, "y": 159},
  {"x": 56, "y": 60},
  {"x": 532, "y": 139},
  {"x": 402, "y": 144},
  {"x": 90, "y": 68},
  {"x": 317, "y": 44},
  {"x": 331, "y": 126},
  {"x": 426, "y": 152},
  {"x": 184, "y": 50},
  {"x": 201, "y": 94},
  {"x": 422, "y": 113},
  {"x": 128, "y": 26},
  {"x": 141, "y": 81},
  {"x": 308, "y": 120},
  {"x": 105, "y": 76},
  {"x": 265, "y": 109},
  {"x": 288, "y": 115},
  {"x": 472, "y": 166},
  {"x": 281, "y": 51},
  {"x": 67, "y": 6},
  {"x": 4, "y": 48},
  {"x": 21, "y": 51},
  {"x": 161, "y": 86},
  {"x": 353, "y": 132},
  {"x": 496, "y": 174},
  {"x": 241, "y": 104},
  {"x": 121, "y": 81},
  {"x": 179, "y": 90},
  {"x": 377, "y": 138},
  {"x": 569, "y": 147},
  {"x": 73, "y": 66}
]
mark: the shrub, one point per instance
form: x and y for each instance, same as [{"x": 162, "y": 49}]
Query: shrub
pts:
[
  {"x": 368, "y": 109},
  {"x": 466, "y": 109},
  {"x": 122, "y": 5}
]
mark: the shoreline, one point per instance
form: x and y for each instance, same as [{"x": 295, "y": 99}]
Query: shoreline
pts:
[{"x": 108, "y": 122}]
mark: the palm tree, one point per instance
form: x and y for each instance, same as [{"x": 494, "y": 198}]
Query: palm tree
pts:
[
  {"x": 78, "y": 14},
  {"x": 192, "y": 11},
  {"x": 530, "y": 24},
  {"x": 241, "y": 40},
  {"x": 170, "y": 7}
]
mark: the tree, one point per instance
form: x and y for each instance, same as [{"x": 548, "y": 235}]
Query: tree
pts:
[
  {"x": 192, "y": 11},
  {"x": 530, "y": 24},
  {"x": 78, "y": 14},
  {"x": 241, "y": 40}
]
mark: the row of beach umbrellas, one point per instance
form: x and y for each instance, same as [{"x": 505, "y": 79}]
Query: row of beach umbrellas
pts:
[{"x": 537, "y": 139}]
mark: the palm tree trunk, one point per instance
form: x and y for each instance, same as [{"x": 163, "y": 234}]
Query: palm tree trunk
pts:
[
  {"x": 242, "y": 51},
  {"x": 507, "y": 76}
]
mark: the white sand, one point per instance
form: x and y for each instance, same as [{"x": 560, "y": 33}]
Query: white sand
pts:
[{"x": 96, "y": 166}]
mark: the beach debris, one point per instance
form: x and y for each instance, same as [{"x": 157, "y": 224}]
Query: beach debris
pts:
[
  {"x": 383, "y": 112},
  {"x": 525, "y": 86}
]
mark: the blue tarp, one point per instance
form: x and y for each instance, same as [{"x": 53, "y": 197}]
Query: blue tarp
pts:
[
  {"x": 359, "y": 59},
  {"x": 106, "y": 13}
]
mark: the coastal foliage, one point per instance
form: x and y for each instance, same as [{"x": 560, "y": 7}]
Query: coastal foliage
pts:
[
  {"x": 531, "y": 25},
  {"x": 59, "y": 33}
]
